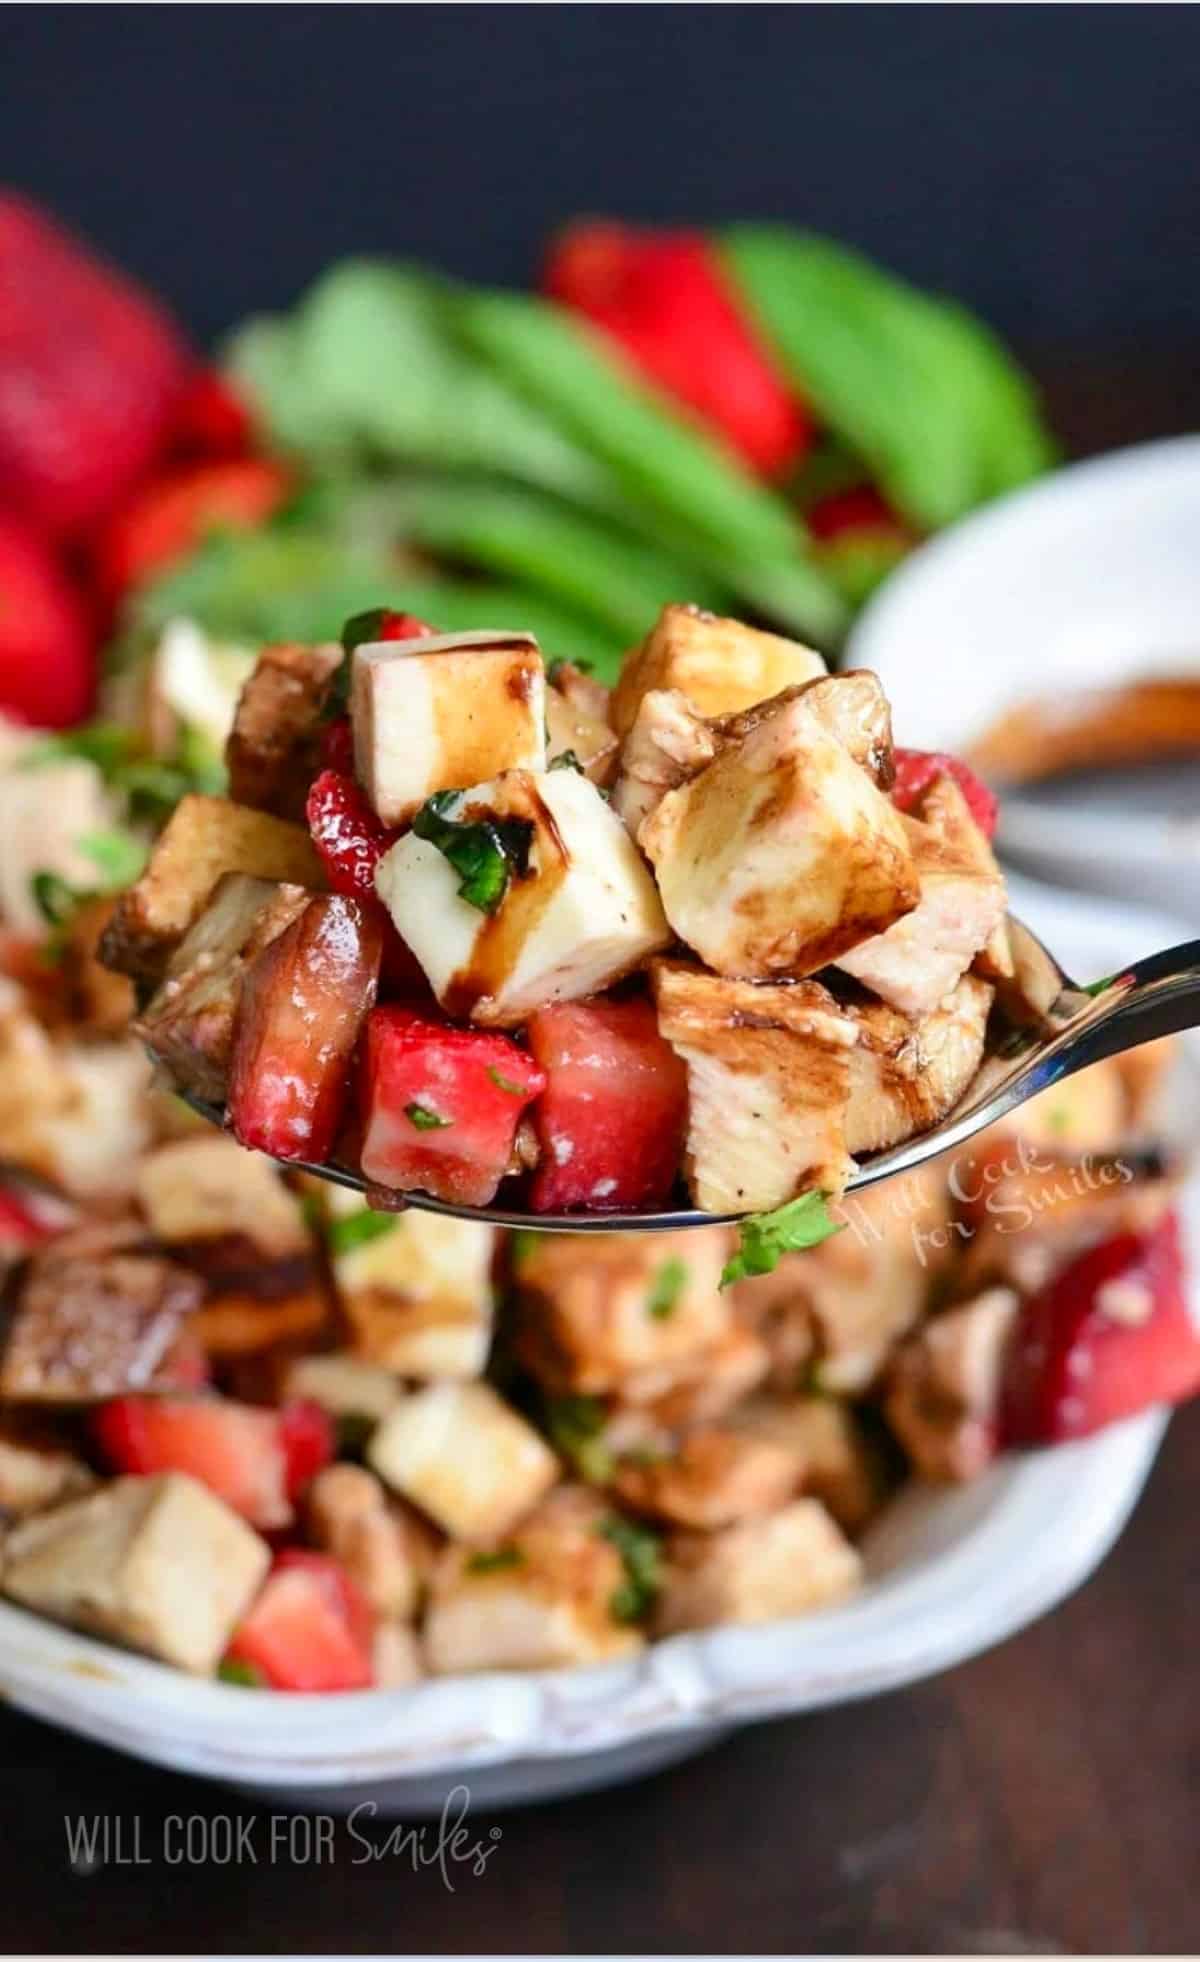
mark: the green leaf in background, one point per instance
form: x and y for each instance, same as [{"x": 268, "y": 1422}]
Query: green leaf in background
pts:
[
  {"x": 921, "y": 390},
  {"x": 118, "y": 857},
  {"x": 357, "y": 1230}
]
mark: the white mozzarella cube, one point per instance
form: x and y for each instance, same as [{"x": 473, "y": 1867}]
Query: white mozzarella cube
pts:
[
  {"x": 583, "y": 914},
  {"x": 443, "y": 712},
  {"x": 459, "y": 1453},
  {"x": 418, "y": 1297}
]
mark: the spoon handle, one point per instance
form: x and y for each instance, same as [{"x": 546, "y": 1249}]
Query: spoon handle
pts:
[{"x": 1158, "y": 996}]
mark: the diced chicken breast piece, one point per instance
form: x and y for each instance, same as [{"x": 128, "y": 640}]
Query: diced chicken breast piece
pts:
[
  {"x": 787, "y": 1563},
  {"x": 906, "y": 1075},
  {"x": 385, "y": 1549},
  {"x": 853, "y": 707},
  {"x": 916, "y": 962},
  {"x": 577, "y": 726},
  {"x": 944, "y": 1386},
  {"x": 583, "y": 914},
  {"x": 342, "y": 1384},
  {"x": 94, "y": 1143},
  {"x": 712, "y": 1479},
  {"x": 207, "y": 1188},
  {"x": 591, "y": 1318},
  {"x": 417, "y": 1296},
  {"x": 272, "y": 751},
  {"x": 700, "y": 1389},
  {"x": 444, "y": 711},
  {"x": 781, "y": 854},
  {"x": 36, "y": 1470},
  {"x": 669, "y": 743},
  {"x": 546, "y": 1598},
  {"x": 45, "y": 809},
  {"x": 460, "y": 1454},
  {"x": 203, "y": 838},
  {"x": 720, "y": 665},
  {"x": 84, "y": 1326},
  {"x": 160, "y": 1564},
  {"x": 1028, "y": 994},
  {"x": 837, "y": 1465},
  {"x": 769, "y": 1074}
]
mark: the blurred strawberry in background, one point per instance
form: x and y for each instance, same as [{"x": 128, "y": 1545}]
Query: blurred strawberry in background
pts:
[
  {"x": 47, "y": 659},
  {"x": 663, "y": 297},
  {"x": 175, "y": 511}
]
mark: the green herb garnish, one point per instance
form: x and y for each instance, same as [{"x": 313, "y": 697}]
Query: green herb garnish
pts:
[
  {"x": 505, "y": 1083},
  {"x": 522, "y": 1242},
  {"x": 576, "y": 1426},
  {"x": 485, "y": 852},
  {"x": 766, "y": 1237},
  {"x": 55, "y": 899},
  {"x": 554, "y": 668},
  {"x": 243, "y": 1675},
  {"x": 424, "y": 1119},
  {"x": 356, "y": 1229},
  {"x": 495, "y": 1563},
  {"x": 640, "y": 1550},
  {"x": 118, "y": 857},
  {"x": 567, "y": 760},
  {"x": 666, "y": 1289}
]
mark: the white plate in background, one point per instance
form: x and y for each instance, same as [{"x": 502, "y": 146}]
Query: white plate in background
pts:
[
  {"x": 1088, "y": 579},
  {"x": 950, "y": 1573}
]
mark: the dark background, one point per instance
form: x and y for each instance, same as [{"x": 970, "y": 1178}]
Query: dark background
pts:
[{"x": 1039, "y": 161}]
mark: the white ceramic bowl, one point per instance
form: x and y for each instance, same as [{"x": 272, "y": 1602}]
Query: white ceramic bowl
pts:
[
  {"x": 1089, "y": 579},
  {"x": 950, "y": 1573}
]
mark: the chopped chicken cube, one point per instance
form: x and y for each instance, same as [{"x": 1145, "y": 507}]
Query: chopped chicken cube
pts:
[
  {"x": 670, "y": 743},
  {"x": 584, "y": 914},
  {"x": 769, "y": 1074},
  {"x": 160, "y": 1564},
  {"x": 1028, "y": 993},
  {"x": 203, "y": 838},
  {"x": 382, "y": 1546},
  {"x": 838, "y": 1466},
  {"x": 702, "y": 1388},
  {"x": 460, "y": 1454},
  {"x": 272, "y": 751},
  {"x": 854, "y": 708},
  {"x": 593, "y": 1317},
  {"x": 916, "y": 962},
  {"x": 944, "y": 1386},
  {"x": 36, "y": 1470},
  {"x": 781, "y": 854},
  {"x": 189, "y": 1021},
  {"x": 85, "y": 1326},
  {"x": 417, "y": 1296},
  {"x": 442, "y": 711},
  {"x": 720, "y": 665},
  {"x": 577, "y": 725},
  {"x": 207, "y": 1187},
  {"x": 714, "y": 1478},
  {"x": 93, "y": 1144},
  {"x": 906, "y": 1075},
  {"x": 786, "y": 1563},
  {"x": 548, "y": 1597}
]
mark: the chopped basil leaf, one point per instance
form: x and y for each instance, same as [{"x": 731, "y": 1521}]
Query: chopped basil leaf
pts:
[
  {"x": 361, "y": 629},
  {"x": 495, "y": 1563},
  {"x": 424, "y": 1119},
  {"x": 669, "y": 1282},
  {"x": 312, "y": 1212},
  {"x": 766, "y": 1237},
  {"x": 356, "y": 1229},
  {"x": 243, "y": 1675},
  {"x": 522, "y": 1243},
  {"x": 485, "y": 852},
  {"x": 567, "y": 760},
  {"x": 55, "y": 900},
  {"x": 576, "y": 1427},
  {"x": 505, "y": 1083},
  {"x": 639, "y": 1550},
  {"x": 1095, "y": 988}
]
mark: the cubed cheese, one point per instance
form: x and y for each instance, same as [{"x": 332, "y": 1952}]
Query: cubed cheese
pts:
[
  {"x": 720, "y": 665},
  {"x": 158, "y": 1563},
  {"x": 418, "y": 1297},
  {"x": 768, "y": 1084},
  {"x": 585, "y": 912},
  {"x": 784, "y": 1564},
  {"x": 782, "y": 853},
  {"x": 458, "y": 1452},
  {"x": 442, "y": 712}
]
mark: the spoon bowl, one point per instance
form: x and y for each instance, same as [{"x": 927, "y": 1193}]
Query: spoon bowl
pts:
[{"x": 1154, "y": 997}]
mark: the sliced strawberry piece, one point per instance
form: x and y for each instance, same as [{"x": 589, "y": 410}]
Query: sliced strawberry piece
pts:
[
  {"x": 337, "y": 746},
  {"x": 1108, "y": 1336},
  {"x": 440, "y": 1106},
  {"x": 916, "y": 770},
  {"x": 664, "y": 299},
  {"x": 302, "y": 1004},
  {"x": 611, "y": 1120},
  {"x": 29, "y": 1217},
  {"x": 175, "y": 513},
  {"x": 309, "y": 1629},
  {"x": 235, "y": 1449},
  {"x": 211, "y": 420},
  {"x": 346, "y": 832},
  {"x": 47, "y": 660},
  {"x": 309, "y": 1442},
  {"x": 91, "y": 370}
]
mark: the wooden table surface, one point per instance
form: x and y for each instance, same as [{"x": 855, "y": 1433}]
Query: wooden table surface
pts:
[{"x": 1045, "y": 1797}]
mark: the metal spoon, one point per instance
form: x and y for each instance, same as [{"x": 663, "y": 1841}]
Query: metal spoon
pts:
[{"x": 1155, "y": 997}]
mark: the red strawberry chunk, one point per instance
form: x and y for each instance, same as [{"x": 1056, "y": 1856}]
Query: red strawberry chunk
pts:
[
  {"x": 337, "y": 746},
  {"x": 665, "y": 300},
  {"x": 861, "y": 509},
  {"x": 210, "y": 419},
  {"x": 309, "y": 1442},
  {"x": 176, "y": 513},
  {"x": 610, "y": 1122},
  {"x": 47, "y": 661},
  {"x": 440, "y": 1106},
  {"x": 235, "y": 1449},
  {"x": 916, "y": 770},
  {"x": 303, "y": 1002},
  {"x": 346, "y": 832},
  {"x": 91, "y": 371},
  {"x": 1108, "y": 1336},
  {"x": 309, "y": 1629},
  {"x": 29, "y": 1216}
]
